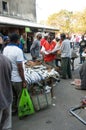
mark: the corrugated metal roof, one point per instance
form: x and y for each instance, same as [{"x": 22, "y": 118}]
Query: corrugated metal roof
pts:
[{"x": 25, "y": 23}]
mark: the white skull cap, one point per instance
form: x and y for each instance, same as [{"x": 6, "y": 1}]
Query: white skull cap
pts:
[{"x": 38, "y": 33}]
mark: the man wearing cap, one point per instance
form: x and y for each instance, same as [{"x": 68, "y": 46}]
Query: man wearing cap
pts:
[
  {"x": 15, "y": 54},
  {"x": 35, "y": 47}
]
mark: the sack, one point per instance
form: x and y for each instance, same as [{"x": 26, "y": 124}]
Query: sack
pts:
[{"x": 25, "y": 106}]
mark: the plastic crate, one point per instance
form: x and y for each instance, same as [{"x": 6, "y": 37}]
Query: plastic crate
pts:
[{"x": 41, "y": 101}]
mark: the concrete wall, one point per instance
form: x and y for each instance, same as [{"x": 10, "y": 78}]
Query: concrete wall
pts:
[
  {"x": 0, "y": 6},
  {"x": 25, "y": 9}
]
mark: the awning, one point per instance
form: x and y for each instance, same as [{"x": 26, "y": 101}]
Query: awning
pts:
[{"x": 4, "y": 20}]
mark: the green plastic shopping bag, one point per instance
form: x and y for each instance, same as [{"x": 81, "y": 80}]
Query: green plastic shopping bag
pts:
[{"x": 25, "y": 106}]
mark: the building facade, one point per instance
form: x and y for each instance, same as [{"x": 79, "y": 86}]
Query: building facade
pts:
[
  {"x": 19, "y": 16},
  {"x": 23, "y": 9}
]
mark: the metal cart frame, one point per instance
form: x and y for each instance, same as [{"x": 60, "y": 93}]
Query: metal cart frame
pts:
[{"x": 72, "y": 111}]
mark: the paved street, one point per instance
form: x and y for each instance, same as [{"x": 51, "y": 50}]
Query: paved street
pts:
[{"x": 56, "y": 117}]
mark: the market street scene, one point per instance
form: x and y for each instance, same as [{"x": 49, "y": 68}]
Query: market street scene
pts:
[
  {"x": 42, "y": 65},
  {"x": 57, "y": 115}
]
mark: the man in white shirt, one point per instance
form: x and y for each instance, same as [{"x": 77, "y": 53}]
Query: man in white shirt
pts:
[
  {"x": 15, "y": 54},
  {"x": 65, "y": 57}
]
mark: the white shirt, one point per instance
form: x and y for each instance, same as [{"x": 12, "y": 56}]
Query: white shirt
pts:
[
  {"x": 15, "y": 55},
  {"x": 65, "y": 49}
]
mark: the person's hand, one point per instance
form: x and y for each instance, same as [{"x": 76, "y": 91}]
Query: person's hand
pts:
[
  {"x": 34, "y": 57},
  {"x": 49, "y": 51},
  {"x": 24, "y": 84},
  {"x": 59, "y": 52},
  {"x": 53, "y": 52},
  {"x": 85, "y": 50}
]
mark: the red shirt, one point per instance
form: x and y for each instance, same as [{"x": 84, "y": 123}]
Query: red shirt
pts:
[
  {"x": 49, "y": 47},
  {"x": 43, "y": 40}
]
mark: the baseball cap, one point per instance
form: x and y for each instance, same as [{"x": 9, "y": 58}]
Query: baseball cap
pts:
[{"x": 6, "y": 38}]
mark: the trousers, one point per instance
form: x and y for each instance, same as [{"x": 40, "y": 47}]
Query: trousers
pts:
[
  {"x": 17, "y": 88},
  {"x": 65, "y": 66}
]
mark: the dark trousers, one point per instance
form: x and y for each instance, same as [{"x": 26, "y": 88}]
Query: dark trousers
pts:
[
  {"x": 82, "y": 59},
  {"x": 66, "y": 67},
  {"x": 17, "y": 88}
]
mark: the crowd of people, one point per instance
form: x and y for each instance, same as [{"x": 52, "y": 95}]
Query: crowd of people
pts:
[
  {"x": 80, "y": 84},
  {"x": 50, "y": 49},
  {"x": 54, "y": 49}
]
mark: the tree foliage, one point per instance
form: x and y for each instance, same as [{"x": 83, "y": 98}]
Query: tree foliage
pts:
[{"x": 68, "y": 21}]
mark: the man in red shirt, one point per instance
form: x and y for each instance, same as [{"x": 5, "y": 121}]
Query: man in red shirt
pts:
[
  {"x": 43, "y": 40},
  {"x": 49, "y": 46},
  {"x": 50, "y": 57}
]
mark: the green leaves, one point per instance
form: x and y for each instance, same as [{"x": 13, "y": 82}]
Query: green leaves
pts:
[{"x": 67, "y": 21}]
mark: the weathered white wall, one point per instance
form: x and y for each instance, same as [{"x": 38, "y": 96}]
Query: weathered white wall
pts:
[{"x": 25, "y": 9}]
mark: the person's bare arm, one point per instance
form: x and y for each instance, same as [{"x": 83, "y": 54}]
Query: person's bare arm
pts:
[{"x": 21, "y": 73}]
